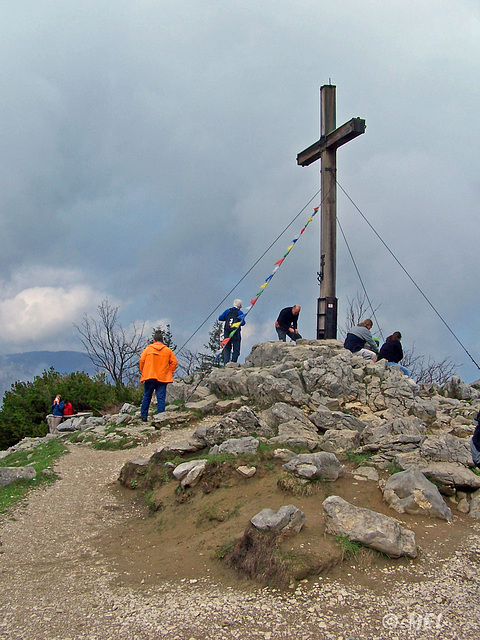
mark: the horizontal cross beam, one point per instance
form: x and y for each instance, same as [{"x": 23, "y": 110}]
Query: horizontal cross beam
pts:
[{"x": 351, "y": 129}]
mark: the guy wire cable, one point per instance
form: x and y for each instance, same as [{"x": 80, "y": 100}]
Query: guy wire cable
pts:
[
  {"x": 361, "y": 281},
  {"x": 249, "y": 270},
  {"x": 407, "y": 274}
]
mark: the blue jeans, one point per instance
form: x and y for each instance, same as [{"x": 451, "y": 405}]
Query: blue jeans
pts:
[
  {"x": 404, "y": 369},
  {"x": 233, "y": 343},
  {"x": 475, "y": 454},
  {"x": 160, "y": 388}
]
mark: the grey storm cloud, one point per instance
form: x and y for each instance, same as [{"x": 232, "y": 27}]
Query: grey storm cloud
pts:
[{"x": 149, "y": 156}]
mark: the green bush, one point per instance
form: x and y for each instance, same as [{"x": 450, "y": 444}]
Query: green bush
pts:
[{"x": 27, "y": 403}]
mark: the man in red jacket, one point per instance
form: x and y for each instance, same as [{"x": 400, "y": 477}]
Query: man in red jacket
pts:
[{"x": 157, "y": 365}]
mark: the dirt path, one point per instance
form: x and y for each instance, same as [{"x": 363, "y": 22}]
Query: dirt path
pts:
[{"x": 57, "y": 585}]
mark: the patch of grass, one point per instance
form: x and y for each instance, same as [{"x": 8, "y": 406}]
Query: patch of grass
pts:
[
  {"x": 217, "y": 459},
  {"x": 476, "y": 470},
  {"x": 288, "y": 483},
  {"x": 223, "y": 551},
  {"x": 358, "y": 459},
  {"x": 176, "y": 403},
  {"x": 41, "y": 458},
  {"x": 124, "y": 442},
  {"x": 182, "y": 495},
  {"x": 393, "y": 468},
  {"x": 349, "y": 548},
  {"x": 257, "y": 555},
  {"x": 153, "y": 503},
  {"x": 211, "y": 513}
]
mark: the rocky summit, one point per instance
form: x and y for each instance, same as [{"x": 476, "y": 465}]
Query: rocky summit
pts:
[{"x": 321, "y": 411}]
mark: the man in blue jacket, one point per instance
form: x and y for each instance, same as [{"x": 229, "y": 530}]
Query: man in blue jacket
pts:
[{"x": 229, "y": 317}]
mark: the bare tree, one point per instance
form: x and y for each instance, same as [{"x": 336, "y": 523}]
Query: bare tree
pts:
[
  {"x": 428, "y": 370},
  {"x": 109, "y": 346},
  {"x": 358, "y": 309},
  {"x": 422, "y": 368},
  {"x": 189, "y": 362}
]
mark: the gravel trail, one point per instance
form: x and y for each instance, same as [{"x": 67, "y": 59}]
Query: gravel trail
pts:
[{"x": 56, "y": 585}]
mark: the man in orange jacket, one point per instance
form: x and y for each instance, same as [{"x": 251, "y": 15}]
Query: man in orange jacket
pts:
[{"x": 157, "y": 365}]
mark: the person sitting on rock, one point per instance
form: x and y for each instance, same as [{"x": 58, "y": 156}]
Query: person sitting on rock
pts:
[
  {"x": 392, "y": 351},
  {"x": 358, "y": 338},
  {"x": 68, "y": 409}
]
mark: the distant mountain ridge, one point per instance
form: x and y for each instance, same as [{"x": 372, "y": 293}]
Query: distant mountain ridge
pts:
[{"x": 25, "y": 366}]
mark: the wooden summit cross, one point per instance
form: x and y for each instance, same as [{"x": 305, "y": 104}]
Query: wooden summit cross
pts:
[{"x": 326, "y": 149}]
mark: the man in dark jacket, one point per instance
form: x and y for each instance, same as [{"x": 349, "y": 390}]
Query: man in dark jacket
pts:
[{"x": 286, "y": 324}]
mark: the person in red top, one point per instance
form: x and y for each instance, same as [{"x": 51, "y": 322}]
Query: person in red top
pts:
[
  {"x": 68, "y": 409},
  {"x": 157, "y": 366}
]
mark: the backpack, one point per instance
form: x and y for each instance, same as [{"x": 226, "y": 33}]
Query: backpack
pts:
[{"x": 232, "y": 317}]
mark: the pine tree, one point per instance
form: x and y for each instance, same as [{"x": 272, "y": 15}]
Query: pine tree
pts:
[
  {"x": 207, "y": 360},
  {"x": 167, "y": 336}
]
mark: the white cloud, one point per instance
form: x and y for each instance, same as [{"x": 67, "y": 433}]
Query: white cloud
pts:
[{"x": 37, "y": 313}]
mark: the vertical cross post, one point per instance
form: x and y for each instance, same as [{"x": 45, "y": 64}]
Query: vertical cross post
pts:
[{"x": 325, "y": 149}]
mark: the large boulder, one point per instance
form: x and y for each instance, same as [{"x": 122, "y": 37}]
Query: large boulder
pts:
[
  {"x": 295, "y": 433},
  {"x": 322, "y": 465},
  {"x": 265, "y": 389},
  {"x": 286, "y": 518},
  {"x": 237, "y": 424},
  {"x": 451, "y": 477},
  {"x": 410, "y": 492},
  {"x": 10, "y": 474},
  {"x": 368, "y": 527},
  {"x": 237, "y": 446},
  {"x": 339, "y": 441},
  {"x": 444, "y": 447},
  {"x": 227, "y": 381},
  {"x": 456, "y": 388},
  {"x": 281, "y": 412}
]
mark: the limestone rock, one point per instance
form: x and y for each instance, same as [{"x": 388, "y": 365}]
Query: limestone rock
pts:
[
  {"x": 451, "y": 476},
  {"x": 366, "y": 473},
  {"x": 246, "y": 472},
  {"x": 446, "y": 448},
  {"x": 297, "y": 434},
  {"x": 286, "y": 518},
  {"x": 410, "y": 492},
  {"x": 340, "y": 441},
  {"x": 128, "y": 408},
  {"x": 189, "y": 473},
  {"x": 323, "y": 465},
  {"x": 372, "y": 529},
  {"x": 237, "y": 446},
  {"x": 73, "y": 424},
  {"x": 10, "y": 474},
  {"x": 238, "y": 424}
]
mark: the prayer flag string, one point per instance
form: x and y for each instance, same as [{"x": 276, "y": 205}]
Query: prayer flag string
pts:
[{"x": 254, "y": 300}]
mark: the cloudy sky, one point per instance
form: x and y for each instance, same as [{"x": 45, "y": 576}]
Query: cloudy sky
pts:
[{"x": 149, "y": 151}]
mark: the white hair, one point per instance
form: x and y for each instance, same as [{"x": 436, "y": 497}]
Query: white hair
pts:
[{"x": 237, "y": 303}]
